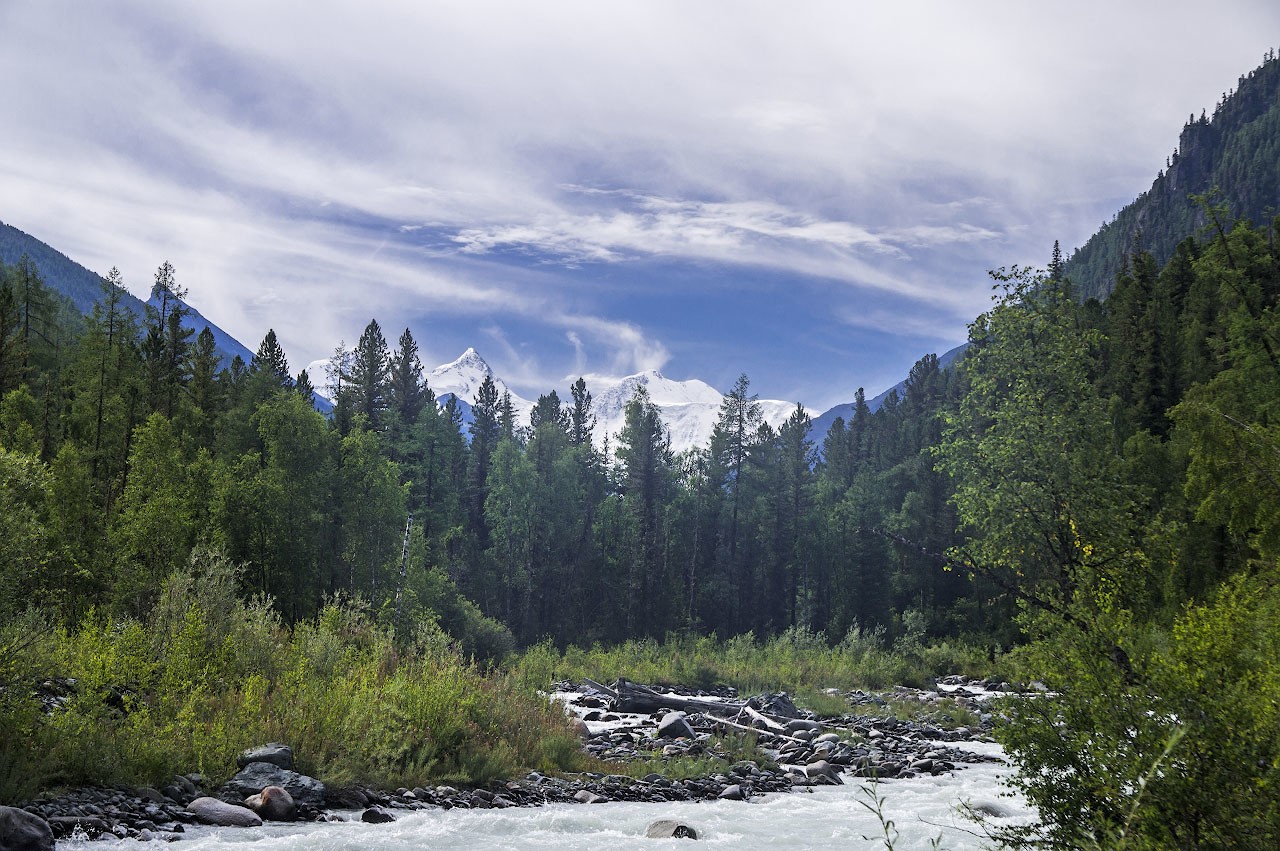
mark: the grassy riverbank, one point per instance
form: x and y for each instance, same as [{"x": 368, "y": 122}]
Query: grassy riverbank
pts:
[
  {"x": 208, "y": 674},
  {"x": 798, "y": 661}
]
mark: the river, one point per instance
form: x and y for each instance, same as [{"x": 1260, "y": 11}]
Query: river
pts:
[{"x": 922, "y": 809}]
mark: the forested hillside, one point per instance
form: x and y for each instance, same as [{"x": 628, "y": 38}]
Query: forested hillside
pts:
[{"x": 1233, "y": 152}]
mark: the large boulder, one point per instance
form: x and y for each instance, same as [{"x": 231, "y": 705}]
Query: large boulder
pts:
[
  {"x": 674, "y": 726},
  {"x": 821, "y": 770},
  {"x": 670, "y": 829},
  {"x": 212, "y": 811},
  {"x": 799, "y": 725},
  {"x": 24, "y": 831},
  {"x": 376, "y": 815},
  {"x": 732, "y": 792},
  {"x": 275, "y": 753},
  {"x": 256, "y": 776},
  {"x": 273, "y": 803},
  {"x": 779, "y": 705}
]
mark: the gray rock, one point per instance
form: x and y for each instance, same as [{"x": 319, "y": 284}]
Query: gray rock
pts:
[
  {"x": 274, "y": 753},
  {"x": 670, "y": 829},
  {"x": 376, "y": 815},
  {"x": 825, "y": 771},
  {"x": 220, "y": 813},
  {"x": 24, "y": 831},
  {"x": 176, "y": 793},
  {"x": 64, "y": 826},
  {"x": 346, "y": 799},
  {"x": 585, "y": 796},
  {"x": 256, "y": 776},
  {"x": 991, "y": 809},
  {"x": 146, "y": 793},
  {"x": 273, "y": 803},
  {"x": 732, "y": 792},
  {"x": 797, "y": 724},
  {"x": 674, "y": 726},
  {"x": 779, "y": 705}
]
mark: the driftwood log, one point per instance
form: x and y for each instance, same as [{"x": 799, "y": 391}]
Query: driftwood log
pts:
[{"x": 626, "y": 696}]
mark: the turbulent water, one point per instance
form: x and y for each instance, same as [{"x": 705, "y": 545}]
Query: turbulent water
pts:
[{"x": 922, "y": 809}]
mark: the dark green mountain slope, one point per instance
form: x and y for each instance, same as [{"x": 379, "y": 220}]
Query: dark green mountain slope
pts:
[
  {"x": 68, "y": 278},
  {"x": 1237, "y": 152},
  {"x": 60, "y": 273}
]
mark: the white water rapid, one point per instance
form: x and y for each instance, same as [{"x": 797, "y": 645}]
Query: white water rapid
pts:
[{"x": 921, "y": 808}]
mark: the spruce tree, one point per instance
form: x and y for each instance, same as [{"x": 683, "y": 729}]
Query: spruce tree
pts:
[
  {"x": 581, "y": 420},
  {"x": 370, "y": 364},
  {"x": 406, "y": 390},
  {"x": 270, "y": 358}
]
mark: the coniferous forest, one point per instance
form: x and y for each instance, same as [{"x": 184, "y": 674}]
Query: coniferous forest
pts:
[{"x": 1090, "y": 497}]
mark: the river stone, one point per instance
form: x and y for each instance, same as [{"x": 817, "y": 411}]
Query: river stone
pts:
[
  {"x": 24, "y": 831},
  {"x": 256, "y": 776},
  {"x": 376, "y": 815},
  {"x": 220, "y": 813},
  {"x": 779, "y": 705},
  {"x": 348, "y": 798},
  {"x": 797, "y": 724},
  {"x": 822, "y": 769},
  {"x": 585, "y": 796},
  {"x": 732, "y": 792},
  {"x": 674, "y": 726},
  {"x": 991, "y": 809},
  {"x": 64, "y": 826},
  {"x": 274, "y": 753},
  {"x": 273, "y": 803},
  {"x": 670, "y": 829}
]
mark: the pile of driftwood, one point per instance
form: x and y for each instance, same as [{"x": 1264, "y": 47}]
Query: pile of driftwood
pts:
[{"x": 774, "y": 714}]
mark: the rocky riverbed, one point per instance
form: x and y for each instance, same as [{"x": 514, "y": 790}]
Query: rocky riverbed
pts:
[{"x": 772, "y": 746}]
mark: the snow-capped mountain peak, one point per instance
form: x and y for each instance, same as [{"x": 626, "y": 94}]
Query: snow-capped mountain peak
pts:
[
  {"x": 463, "y": 378},
  {"x": 689, "y": 408},
  {"x": 663, "y": 392}
]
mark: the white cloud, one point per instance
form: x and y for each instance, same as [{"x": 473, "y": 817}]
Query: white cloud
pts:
[{"x": 271, "y": 151}]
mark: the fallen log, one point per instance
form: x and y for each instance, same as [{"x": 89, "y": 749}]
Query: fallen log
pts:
[
  {"x": 769, "y": 724},
  {"x": 600, "y": 688},
  {"x": 745, "y": 728},
  {"x": 633, "y": 697}
]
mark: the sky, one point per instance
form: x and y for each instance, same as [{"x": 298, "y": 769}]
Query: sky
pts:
[{"x": 810, "y": 194}]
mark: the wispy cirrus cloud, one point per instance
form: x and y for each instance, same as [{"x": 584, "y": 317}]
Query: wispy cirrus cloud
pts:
[{"x": 602, "y": 182}]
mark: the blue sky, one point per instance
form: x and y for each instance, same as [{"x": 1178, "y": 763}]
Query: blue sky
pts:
[{"x": 807, "y": 193}]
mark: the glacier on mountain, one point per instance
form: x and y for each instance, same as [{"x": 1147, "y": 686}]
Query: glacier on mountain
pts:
[{"x": 689, "y": 408}]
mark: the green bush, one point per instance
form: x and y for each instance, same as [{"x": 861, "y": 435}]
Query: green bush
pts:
[
  {"x": 1178, "y": 747},
  {"x": 210, "y": 674},
  {"x": 797, "y": 659}
]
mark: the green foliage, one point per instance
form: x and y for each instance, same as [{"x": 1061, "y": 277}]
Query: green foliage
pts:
[
  {"x": 1087, "y": 754},
  {"x": 1232, "y": 150},
  {"x": 797, "y": 661},
  {"x": 208, "y": 674}
]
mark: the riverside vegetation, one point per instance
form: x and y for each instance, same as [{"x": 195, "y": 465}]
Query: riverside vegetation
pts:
[{"x": 1089, "y": 499}]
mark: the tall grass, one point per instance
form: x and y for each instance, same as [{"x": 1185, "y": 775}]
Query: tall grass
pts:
[
  {"x": 796, "y": 660},
  {"x": 209, "y": 675}
]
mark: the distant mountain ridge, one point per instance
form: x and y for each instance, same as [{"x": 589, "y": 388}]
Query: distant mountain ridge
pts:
[
  {"x": 81, "y": 285},
  {"x": 822, "y": 424},
  {"x": 1235, "y": 152},
  {"x": 689, "y": 408}
]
